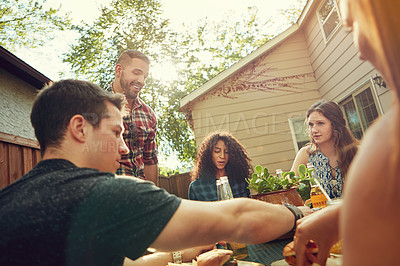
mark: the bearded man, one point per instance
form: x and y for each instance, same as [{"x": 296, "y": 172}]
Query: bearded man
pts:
[{"x": 131, "y": 72}]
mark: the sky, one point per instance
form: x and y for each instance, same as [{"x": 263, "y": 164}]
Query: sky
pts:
[
  {"x": 179, "y": 10},
  {"x": 47, "y": 59}
]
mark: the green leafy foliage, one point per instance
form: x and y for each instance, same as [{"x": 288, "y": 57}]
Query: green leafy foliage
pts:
[
  {"x": 124, "y": 24},
  {"x": 211, "y": 47},
  {"x": 200, "y": 53},
  {"x": 137, "y": 25},
  {"x": 205, "y": 51},
  {"x": 262, "y": 181},
  {"x": 293, "y": 12},
  {"x": 26, "y": 23},
  {"x": 165, "y": 171},
  {"x": 304, "y": 181}
]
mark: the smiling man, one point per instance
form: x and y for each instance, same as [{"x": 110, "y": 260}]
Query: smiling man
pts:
[{"x": 131, "y": 72}]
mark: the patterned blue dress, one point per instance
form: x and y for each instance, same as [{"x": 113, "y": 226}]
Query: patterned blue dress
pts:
[{"x": 332, "y": 186}]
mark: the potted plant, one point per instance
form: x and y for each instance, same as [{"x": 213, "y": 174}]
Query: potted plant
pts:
[{"x": 287, "y": 188}]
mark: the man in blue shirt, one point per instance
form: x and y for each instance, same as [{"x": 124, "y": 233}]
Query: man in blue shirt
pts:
[{"x": 70, "y": 209}]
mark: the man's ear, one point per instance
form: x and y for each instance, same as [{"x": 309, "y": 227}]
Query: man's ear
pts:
[
  {"x": 118, "y": 70},
  {"x": 78, "y": 128}
]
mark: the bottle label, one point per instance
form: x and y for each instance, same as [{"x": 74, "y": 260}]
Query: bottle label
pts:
[{"x": 318, "y": 201}]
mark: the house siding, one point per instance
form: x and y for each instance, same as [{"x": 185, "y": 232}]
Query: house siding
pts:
[
  {"x": 259, "y": 120},
  {"x": 338, "y": 69},
  {"x": 19, "y": 149},
  {"x": 16, "y": 99}
]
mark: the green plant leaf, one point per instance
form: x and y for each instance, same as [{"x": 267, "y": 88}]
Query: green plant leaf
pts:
[
  {"x": 258, "y": 169},
  {"x": 302, "y": 170},
  {"x": 272, "y": 180},
  {"x": 285, "y": 174},
  {"x": 285, "y": 183},
  {"x": 291, "y": 175},
  {"x": 266, "y": 173},
  {"x": 301, "y": 186},
  {"x": 258, "y": 181},
  {"x": 312, "y": 181},
  {"x": 262, "y": 181},
  {"x": 304, "y": 189}
]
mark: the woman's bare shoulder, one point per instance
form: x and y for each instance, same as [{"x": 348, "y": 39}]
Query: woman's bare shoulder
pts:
[
  {"x": 305, "y": 150},
  {"x": 301, "y": 158}
]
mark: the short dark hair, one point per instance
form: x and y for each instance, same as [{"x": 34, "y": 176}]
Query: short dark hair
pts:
[
  {"x": 58, "y": 102},
  {"x": 133, "y": 54}
]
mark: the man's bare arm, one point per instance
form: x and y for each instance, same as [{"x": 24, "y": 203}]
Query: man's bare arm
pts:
[
  {"x": 151, "y": 173},
  {"x": 239, "y": 220}
]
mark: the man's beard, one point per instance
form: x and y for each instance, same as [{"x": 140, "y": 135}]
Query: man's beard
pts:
[{"x": 129, "y": 92}]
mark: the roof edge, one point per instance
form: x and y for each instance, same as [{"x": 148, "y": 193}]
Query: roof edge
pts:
[
  {"x": 244, "y": 61},
  {"x": 254, "y": 55},
  {"x": 14, "y": 65}
]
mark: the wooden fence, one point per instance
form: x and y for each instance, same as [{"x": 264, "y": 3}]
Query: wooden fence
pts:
[
  {"x": 17, "y": 157},
  {"x": 176, "y": 184}
]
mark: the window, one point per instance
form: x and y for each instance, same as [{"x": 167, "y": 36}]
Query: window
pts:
[
  {"x": 329, "y": 18},
  {"x": 299, "y": 132},
  {"x": 360, "y": 109}
]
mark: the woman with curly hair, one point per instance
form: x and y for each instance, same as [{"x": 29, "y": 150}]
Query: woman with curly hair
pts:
[
  {"x": 220, "y": 154},
  {"x": 332, "y": 146}
]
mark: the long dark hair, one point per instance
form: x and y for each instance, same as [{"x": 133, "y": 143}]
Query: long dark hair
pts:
[
  {"x": 344, "y": 142},
  {"x": 238, "y": 166}
]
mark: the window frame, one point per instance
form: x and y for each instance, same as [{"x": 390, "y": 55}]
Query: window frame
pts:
[
  {"x": 363, "y": 86},
  {"x": 321, "y": 25},
  {"x": 293, "y": 132}
]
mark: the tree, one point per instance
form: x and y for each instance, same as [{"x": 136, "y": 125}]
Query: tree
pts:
[
  {"x": 124, "y": 24},
  {"x": 209, "y": 49},
  {"x": 135, "y": 25},
  {"x": 200, "y": 53},
  {"x": 293, "y": 12},
  {"x": 205, "y": 51},
  {"x": 26, "y": 23}
]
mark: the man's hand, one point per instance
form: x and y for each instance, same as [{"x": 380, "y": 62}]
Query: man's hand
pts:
[
  {"x": 192, "y": 253},
  {"x": 323, "y": 228},
  {"x": 305, "y": 210},
  {"x": 215, "y": 257}
]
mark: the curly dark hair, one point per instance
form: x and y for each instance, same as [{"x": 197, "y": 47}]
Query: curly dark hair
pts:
[
  {"x": 238, "y": 166},
  {"x": 345, "y": 143}
]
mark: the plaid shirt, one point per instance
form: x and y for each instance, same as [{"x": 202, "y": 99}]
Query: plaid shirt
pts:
[
  {"x": 205, "y": 189},
  {"x": 140, "y": 137}
]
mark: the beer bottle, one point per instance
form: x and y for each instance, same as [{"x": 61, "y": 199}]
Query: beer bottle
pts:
[{"x": 239, "y": 250}]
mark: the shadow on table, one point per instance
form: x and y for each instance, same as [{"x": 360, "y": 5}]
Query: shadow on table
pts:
[{"x": 268, "y": 252}]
